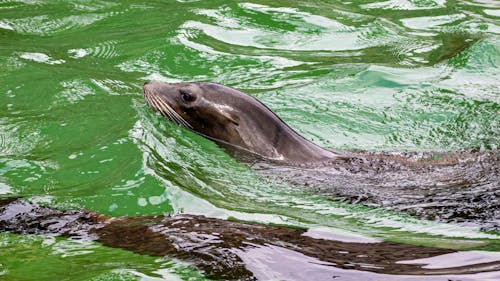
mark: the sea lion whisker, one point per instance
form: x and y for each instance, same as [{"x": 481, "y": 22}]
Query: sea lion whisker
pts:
[
  {"x": 148, "y": 100},
  {"x": 162, "y": 110},
  {"x": 175, "y": 114},
  {"x": 154, "y": 104},
  {"x": 147, "y": 97},
  {"x": 172, "y": 115},
  {"x": 186, "y": 124},
  {"x": 166, "y": 110}
]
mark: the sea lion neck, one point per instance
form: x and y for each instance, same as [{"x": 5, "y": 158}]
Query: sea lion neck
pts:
[{"x": 265, "y": 134}]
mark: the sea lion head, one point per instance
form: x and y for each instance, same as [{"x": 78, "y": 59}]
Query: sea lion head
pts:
[
  {"x": 209, "y": 109},
  {"x": 230, "y": 117}
]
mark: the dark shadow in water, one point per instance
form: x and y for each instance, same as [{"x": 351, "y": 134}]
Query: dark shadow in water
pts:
[{"x": 231, "y": 250}]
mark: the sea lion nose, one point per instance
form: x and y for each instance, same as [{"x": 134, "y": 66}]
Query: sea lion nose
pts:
[{"x": 148, "y": 86}]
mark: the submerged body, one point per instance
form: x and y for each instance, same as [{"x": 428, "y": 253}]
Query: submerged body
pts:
[
  {"x": 461, "y": 187},
  {"x": 231, "y": 250}
]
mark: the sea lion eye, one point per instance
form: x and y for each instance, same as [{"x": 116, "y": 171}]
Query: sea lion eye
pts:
[{"x": 187, "y": 96}]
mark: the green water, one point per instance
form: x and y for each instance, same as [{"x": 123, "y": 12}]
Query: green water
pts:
[{"x": 411, "y": 75}]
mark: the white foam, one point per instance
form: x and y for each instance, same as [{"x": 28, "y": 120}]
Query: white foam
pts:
[
  {"x": 456, "y": 259},
  {"x": 77, "y": 53},
  {"x": 5, "y": 189},
  {"x": 5, "y": 26},
  {"x": 338, "y": 235},
  {"x": 41, "y": 58}
]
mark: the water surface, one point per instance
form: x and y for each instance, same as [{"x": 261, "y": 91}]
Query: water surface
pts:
[{"x": 397, "y": 75}]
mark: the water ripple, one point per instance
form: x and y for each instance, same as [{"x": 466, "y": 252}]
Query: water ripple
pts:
[
  {"x": 105, "y": 50},
  {"x": 46, "y": 26},
  {"x": 406, "y": 5},
  {"x": 394, "y": 75}
]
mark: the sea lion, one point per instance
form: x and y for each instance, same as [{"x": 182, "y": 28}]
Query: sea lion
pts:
[
  {"x": 233, "y": 118},
  {"x": 231, "y": 250},
  {"x": 458, "y": 187}
]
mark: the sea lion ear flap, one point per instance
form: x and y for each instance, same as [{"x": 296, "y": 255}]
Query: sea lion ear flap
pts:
[{"x": 235, "y": 119}]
